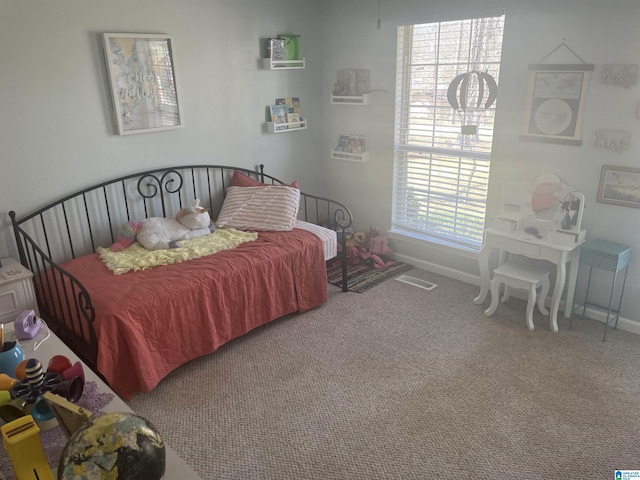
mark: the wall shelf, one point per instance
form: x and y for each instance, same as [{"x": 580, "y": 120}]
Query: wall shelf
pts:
[
  {"x": 350, "y": 157},
  {"x": 351, "y": 100},
  {"x": 269, "y": 64},
  {"x": 273, "y": 127}
]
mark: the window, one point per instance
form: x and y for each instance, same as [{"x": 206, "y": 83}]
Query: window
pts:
[{"x": 440, "y": 173}]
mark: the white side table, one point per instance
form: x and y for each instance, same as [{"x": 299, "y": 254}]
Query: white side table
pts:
[{"x": 16, "y": 290}]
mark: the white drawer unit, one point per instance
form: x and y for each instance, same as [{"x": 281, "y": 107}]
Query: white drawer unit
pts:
[{"x": 16, "y": 290}]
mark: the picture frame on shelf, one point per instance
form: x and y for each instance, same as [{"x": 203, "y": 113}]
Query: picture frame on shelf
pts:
[
  {"x": 362, "y": 81},
  {"x": 352, "y": 82},
  {"x": 555, "y": 103},
  {"x": 346, "y": 83},
  {"x": 296, "y": 105},
  {"x": 358, "y": 143},
  {"x": 276, "y": 47},
  {"x": 619, "y": 186},
  {"x": 279, "y": 116},
  {"x": 142, "y": 81},
  {"x": 342, "y": 146},
  {"x": 292, "y": 103},
  {"x": 293, "y": 119}
]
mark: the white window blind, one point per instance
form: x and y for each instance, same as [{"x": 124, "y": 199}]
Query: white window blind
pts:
[{"x": 440, "y": 174}]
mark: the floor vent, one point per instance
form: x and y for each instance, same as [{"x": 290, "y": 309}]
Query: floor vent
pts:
[{"x": 416, "y": 282}]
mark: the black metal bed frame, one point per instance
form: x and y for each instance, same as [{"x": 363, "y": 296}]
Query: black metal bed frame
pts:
[{"x": 90, "y": 218}]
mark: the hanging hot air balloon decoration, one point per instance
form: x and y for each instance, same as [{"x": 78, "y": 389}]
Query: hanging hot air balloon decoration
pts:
[{"x": 471, "y": 94}]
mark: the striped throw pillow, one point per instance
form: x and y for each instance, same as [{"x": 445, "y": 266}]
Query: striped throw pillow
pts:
[{"x": 269, "y": 208}]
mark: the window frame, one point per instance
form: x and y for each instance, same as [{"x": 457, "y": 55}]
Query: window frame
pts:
[{"x": 405, "y": 148}]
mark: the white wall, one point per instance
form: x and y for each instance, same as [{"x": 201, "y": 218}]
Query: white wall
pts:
[
  {"x": 56, "y": 127},
  {"x": 56, "y": 130},
  {"x": 600, "y": 32}
]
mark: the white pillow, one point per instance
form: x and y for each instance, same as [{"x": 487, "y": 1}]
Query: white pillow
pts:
[{"x": 270, "y": 208}]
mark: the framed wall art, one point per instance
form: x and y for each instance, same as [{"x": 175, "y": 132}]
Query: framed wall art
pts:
[
  {"x": 555, "y": 103},
  {"x": 143, "y": 82},
  {"x": 619, "y": 186}
]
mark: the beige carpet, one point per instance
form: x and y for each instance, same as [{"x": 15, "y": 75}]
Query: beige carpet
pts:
[{"x": 402, "y": 383}]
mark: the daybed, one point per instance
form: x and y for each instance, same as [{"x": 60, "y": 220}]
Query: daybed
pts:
[{"x": 135, "y": 328}]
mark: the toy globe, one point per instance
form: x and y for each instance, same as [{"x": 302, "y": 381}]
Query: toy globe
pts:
[{"x": 120, "y": 446}]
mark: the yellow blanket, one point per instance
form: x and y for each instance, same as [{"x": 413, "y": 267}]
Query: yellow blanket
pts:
[{"x": 136, "y": 257}]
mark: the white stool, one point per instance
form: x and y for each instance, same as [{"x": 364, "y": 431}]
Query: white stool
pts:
[{"x": 529, "y": 277}]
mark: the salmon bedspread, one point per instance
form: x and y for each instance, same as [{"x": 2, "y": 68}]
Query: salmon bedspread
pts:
[{"x": 150, "y": 322}]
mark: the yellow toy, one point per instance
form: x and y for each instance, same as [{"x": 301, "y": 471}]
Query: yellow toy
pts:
[
  {"x": 21, "y": 440},
  {"x": 70, "y": 416}
]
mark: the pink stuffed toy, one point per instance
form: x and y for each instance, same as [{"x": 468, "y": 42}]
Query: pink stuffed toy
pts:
[
  {"x": 354, "y": 257},
  {"x": 379, "y": 245},
  {"x": 127, "y": 236},
  {"x": 360, "y": 254}
]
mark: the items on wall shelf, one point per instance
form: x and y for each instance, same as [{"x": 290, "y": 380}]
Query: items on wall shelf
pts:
[
  {"x": 352, "y": 88},
  {"x": 353, "y": 147},
  {"x": 284, "y": 53},
  {"x": 352, "y": 82},
  {"x": 285, "y": 115}
]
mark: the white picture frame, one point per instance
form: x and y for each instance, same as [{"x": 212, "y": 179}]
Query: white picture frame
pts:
[{"x": 142, "y": 81}]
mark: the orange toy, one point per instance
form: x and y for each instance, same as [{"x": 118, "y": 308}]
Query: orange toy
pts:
[
  {"x": 21, "y": 370},
  {"x": 6, "y": 382}
]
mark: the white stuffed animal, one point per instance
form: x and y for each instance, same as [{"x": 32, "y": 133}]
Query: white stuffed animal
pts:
[{"x": 159, "y": 233}]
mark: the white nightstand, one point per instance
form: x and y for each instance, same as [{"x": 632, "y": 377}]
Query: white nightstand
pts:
[{"x": 16, "y": 290}]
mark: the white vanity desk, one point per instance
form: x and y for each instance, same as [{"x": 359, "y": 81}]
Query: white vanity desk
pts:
[
  {"x": 520, "y": 242},
  {"x": 538, "y": 206},
  {"x": 176, "y": 467}
]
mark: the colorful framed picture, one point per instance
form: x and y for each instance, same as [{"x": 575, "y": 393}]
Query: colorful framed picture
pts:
[
  {"x": 619, "y": 186},
  {"x": 555, "y": 103},
  {"x": 143, "y": 82}
]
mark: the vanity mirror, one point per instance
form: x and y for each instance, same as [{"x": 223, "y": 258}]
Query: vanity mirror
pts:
[{"x": 545, "y": 205}]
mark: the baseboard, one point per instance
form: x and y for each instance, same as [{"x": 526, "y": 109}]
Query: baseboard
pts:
[
  {"x": 439, "y": 269},
  {"x": 598, "y": 315},
  {"x": 625, "y": 324}
]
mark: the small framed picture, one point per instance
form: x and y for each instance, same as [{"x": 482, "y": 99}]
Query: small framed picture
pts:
[
  {"x": 294, "y": 120},
  {"x": 619, "y": 186},
  {"x": 277, "y": 49},
  {"x": 143, "y": 82}
]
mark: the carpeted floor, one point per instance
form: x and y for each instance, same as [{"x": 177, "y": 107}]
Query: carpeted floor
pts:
[{"x": 403, "y": 383}]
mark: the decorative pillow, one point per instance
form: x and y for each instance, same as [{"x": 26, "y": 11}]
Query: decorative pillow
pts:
[
  {"x": 268, "y": 208},
  {"x": 239, "y": 179}
]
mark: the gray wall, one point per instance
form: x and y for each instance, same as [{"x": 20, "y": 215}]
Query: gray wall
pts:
[
  {"x": 56, "y": 130},
  {"x": 57, "y": 134},
  {"x": 599, "y": 32}
]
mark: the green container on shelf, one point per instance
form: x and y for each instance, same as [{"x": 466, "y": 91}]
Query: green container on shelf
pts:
[{"x": 292, "y": 47}]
